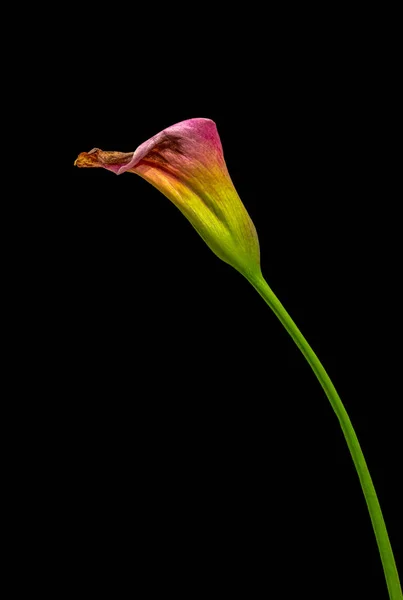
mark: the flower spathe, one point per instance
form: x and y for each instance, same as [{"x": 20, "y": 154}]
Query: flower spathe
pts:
[{"x": 186, "y": 163}]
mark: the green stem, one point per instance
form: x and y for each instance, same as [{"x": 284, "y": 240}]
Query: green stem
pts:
[{"x": 381, "y": 534}]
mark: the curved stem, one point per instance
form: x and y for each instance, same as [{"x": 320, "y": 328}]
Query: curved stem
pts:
[{"x": 381, "y": 534}]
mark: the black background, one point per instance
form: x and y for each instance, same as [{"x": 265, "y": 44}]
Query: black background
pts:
[{"x": 198, "y": 452}]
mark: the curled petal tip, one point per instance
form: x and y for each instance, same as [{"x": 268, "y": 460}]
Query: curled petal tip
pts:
[{"x": 101, "y": 158}]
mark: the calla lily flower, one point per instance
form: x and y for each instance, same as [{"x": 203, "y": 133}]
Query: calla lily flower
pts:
[{"x": 186, "y": 163}]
